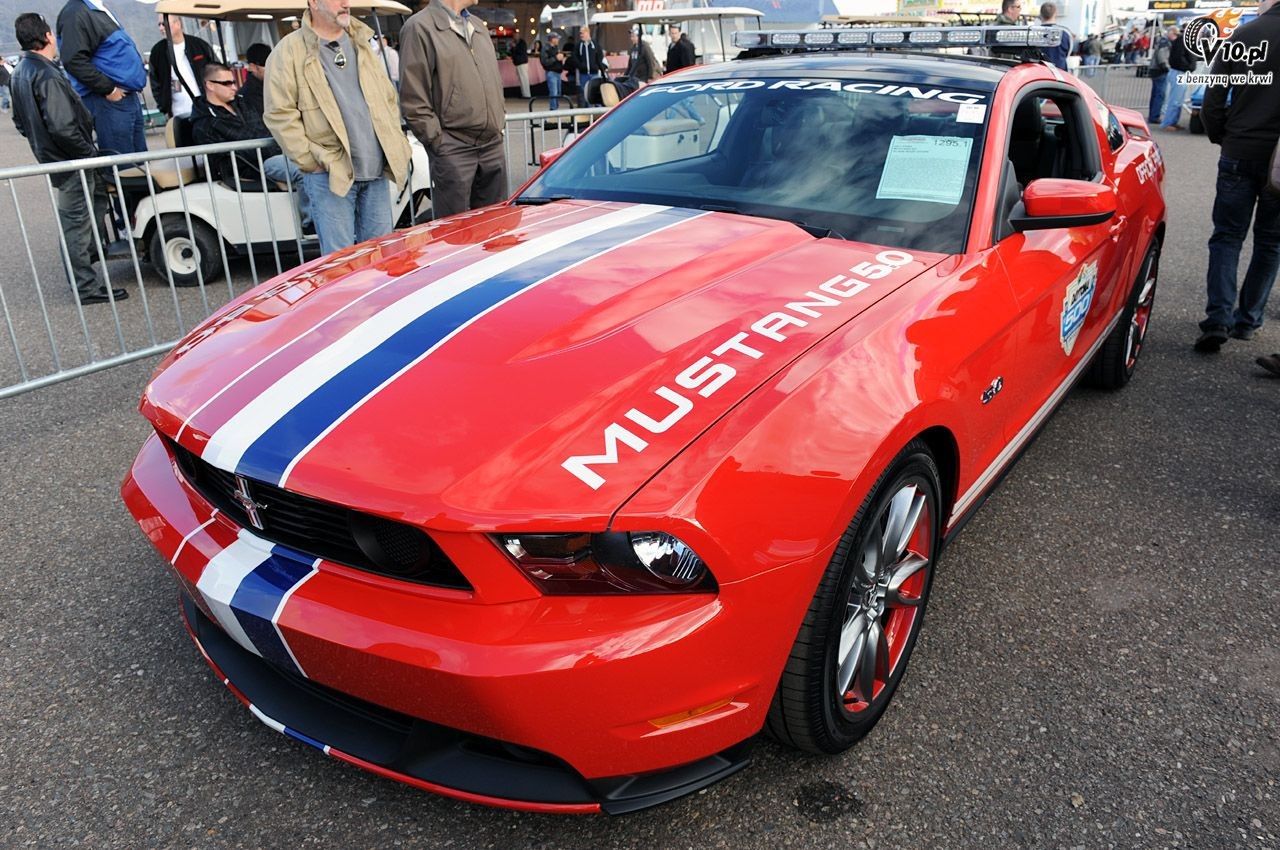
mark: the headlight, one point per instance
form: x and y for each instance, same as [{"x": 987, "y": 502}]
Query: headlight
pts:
[{"x": 612, "y": 562}]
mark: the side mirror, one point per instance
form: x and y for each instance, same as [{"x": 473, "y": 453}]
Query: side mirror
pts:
[
  {"x": 1051, "y": 203},
  {"x": 549, "y": 156}
]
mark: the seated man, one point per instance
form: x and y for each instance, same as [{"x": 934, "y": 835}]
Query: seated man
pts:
[{"x": 220, "y": 117}]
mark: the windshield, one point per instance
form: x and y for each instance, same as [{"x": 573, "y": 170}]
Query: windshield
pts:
[{"x": 870, "y": 161}]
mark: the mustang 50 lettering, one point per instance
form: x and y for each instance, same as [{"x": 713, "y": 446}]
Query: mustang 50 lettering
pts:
[{"x": 706, "y": 375}]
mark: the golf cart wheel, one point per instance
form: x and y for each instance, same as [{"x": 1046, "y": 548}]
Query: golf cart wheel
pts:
[{"x": 190, "y": 256}]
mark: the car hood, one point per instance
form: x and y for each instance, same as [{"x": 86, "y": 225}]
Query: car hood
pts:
[{"x": 515, "y": 363}]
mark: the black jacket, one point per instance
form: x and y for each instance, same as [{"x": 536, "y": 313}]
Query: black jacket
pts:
[
  {"x": 680, "y": 54},
  {"x": 48, "y": 112},
  {"x": 549, "y": 60},
  {"x": 213, "y": 124},
  {"x": 1250, "y": 126},
  {"x": 199, "y": 54},
  {"x": 641, "y": 63},
  {"x": 520, "y": 52},
  {"x": 251, "y": 94},
  {"x": 1180, "y": 59},
  {"x": 587, "y": 58}
]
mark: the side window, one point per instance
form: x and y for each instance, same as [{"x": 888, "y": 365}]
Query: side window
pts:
[
  {"x": 1052, "y": 135},
  {"x": 1116, "y": 136}
]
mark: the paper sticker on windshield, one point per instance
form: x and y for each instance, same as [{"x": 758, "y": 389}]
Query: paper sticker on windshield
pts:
[
  {"x": 971, "y": 113},
  {"x": 925, "y": 168}
]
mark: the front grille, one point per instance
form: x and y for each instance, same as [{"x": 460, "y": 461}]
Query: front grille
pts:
[{"x": 324, "y": 530}]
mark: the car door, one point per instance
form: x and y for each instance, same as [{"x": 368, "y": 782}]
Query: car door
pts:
[{"x": 1063, "y": 278}]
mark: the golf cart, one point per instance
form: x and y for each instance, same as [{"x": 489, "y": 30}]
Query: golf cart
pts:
[
  {"x": 709, "y": 28},
  {"x": 184, "y": 215}
]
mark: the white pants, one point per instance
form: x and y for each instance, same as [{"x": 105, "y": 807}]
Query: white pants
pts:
[{"x": 522, "y": 73}]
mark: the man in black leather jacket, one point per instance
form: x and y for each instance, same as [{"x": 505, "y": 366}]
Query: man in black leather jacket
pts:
[
  {"x": 59, "y": 128},
  {"x": 220, "y": 116}
]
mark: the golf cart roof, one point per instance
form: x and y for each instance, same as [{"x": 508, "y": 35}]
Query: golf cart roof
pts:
[
  {"x": 265, "y": 10},
  {"x": 887, "y": 20},
  {"x": 663, "y": 16}
]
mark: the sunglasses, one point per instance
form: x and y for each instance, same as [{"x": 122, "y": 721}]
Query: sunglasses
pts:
[
  {"x": 222, "y": 82},
  {"x": 339, "y": 58}
]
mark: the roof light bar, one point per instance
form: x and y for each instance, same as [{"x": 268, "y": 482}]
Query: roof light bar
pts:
[{"x": 900, "y": 37}]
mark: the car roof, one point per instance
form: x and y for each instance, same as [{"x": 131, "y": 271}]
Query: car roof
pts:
[{"x": 934, "y": 69}]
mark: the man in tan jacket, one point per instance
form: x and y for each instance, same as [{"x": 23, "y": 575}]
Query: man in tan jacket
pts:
[
  {"x": 451, "y": 94},
  {"x": 332, "y": 109}
]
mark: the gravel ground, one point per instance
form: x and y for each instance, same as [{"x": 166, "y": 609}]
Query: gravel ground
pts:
[{"x": 1100, "y": 666}]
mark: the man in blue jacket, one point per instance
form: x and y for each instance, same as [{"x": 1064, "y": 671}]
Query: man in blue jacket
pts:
[{"x": 106, "y": 70}]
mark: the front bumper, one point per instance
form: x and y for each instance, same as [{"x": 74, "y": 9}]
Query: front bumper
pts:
[
  {"x": 515, "y": 699},
  {"x": 432, "y": 757}
]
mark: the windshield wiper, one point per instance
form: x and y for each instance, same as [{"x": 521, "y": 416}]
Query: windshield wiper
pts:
[
  {"x": 526, "y": 201},
  {"x": 814, "y": 230}
]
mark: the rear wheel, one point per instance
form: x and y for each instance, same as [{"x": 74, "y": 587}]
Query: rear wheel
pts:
[
  {"x": 856, "y": 639},
  {"x": 189, "y": 255},
  {"x": 1113, "y": 365}
]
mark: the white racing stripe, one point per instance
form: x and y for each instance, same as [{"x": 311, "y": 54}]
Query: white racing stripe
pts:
[
  {"x": 344, "y": 308},
  {"x": 221, "y": 579},
  {"x": 346, "y": 415},
  {"x": 228, "y": 444}
]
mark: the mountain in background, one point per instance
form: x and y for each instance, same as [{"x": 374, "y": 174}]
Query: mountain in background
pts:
[{"x": 138, "y": 19}]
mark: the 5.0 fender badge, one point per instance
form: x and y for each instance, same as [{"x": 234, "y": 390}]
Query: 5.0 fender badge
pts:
[{"x": 990, "y": 392}]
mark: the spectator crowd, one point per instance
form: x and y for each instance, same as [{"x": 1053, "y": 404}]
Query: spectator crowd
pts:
[{"x": 337, "y": 135}]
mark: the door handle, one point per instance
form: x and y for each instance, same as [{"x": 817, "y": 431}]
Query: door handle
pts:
[{"x": 1117, "y": 226}]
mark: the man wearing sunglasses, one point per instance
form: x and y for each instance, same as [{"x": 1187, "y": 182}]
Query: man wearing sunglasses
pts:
[
  {"x": 220, "y": 116},
  {"x": 345, "y": 164}
]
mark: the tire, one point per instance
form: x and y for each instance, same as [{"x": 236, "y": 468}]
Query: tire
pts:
[
  {"x": 872, "y": 594},
  {"x": 189, "y": 256},
  {"x": 1113, "y": 365}
]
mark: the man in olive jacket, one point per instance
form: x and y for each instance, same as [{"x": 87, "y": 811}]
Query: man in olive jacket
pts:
[
  {"x": 332, "y": 109},
  {"x": 451, "y": 94}
]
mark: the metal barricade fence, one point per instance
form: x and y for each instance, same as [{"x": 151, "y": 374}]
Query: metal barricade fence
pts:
[
  {"x": 182, "y": 244},
  {"x": 1119, "y": 85}
]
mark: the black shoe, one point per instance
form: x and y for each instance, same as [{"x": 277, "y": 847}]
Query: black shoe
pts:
[
  {"x": 1211, "y": 340},
  {"x": 1244, "y": 332},
  {"x": 102, "y": 297},
  {"x": 1271, "y": 363},
  {"x": 117, "y": 249}
]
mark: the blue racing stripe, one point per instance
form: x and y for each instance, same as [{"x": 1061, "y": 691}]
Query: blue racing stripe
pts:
[
  {"x": 272, "y": 453},
  {"x": 298, "y": 736},
  {"x": 258, "y": 596}
]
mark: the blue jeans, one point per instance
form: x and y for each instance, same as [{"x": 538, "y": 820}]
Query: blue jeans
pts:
[
  {"x": 281, "y": 169},
  {"x": 1242, "y": 183},
  {"x": 554, "y": 85},
  {"x": 364, "y": 213},
  {"x": 119, "y": 125},
  {"x": 1159, "y": 83},
  {"x": 1173, "y": 100},
  {"x": 1090, "y": 64}
]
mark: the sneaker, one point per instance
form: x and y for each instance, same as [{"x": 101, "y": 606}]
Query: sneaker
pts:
[
  {"x": 1211, "y": 339},
  {"x": 102, "y": 297},
  {"x": 1271, "y": 363},
  {"x": 1244, "y": 332}
]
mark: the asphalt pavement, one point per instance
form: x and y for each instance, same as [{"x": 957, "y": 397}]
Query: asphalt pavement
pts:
[{"x": 1100, "y": 666}]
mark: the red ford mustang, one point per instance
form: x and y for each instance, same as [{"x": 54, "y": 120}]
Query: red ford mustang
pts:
[{"x": 558, "y": 504}]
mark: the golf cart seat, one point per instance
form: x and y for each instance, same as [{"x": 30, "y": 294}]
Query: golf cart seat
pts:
[{"x": 167, "y": 173}]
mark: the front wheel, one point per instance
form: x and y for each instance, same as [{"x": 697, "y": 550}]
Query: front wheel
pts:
[
  {"x": 191, "y": 256},
  {"x": 856, "y": 639},
  {"x": 1113, "y": 365}
]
